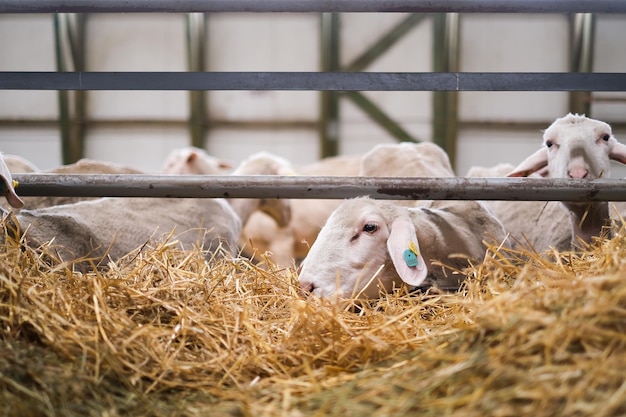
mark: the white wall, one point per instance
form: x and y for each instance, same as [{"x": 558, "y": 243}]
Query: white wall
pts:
[
  {"x": 276, "y": 42},
  {"x": 28, "y": 45},
  {"x": 291, "y": 42}
]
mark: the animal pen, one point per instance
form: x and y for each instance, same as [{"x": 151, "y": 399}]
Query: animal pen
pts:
[{"x": 164, "y": 332}]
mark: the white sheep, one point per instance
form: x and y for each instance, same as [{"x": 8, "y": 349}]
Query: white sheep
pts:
[
  {"x": 577, "y": 147},
  {"x": 191, "y": 160},
  {"x": 263, "y": 163},
  {"x": 372, "y": 246},
  {"x": 195, "y": 161},
  {"x": 18, "y": 165},
  {"x": 308, "y": 216},
  {"x": 188, "y": 160},
  {"x": 406, "y": 159},
  {"x": 82, "y": 166},
  {"x": 286, "y": 244},
  {"x": 116, "y": 226},
  {"x": 540, "y": 224}
]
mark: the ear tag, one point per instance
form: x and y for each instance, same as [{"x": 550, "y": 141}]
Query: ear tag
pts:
[
  {"x": 410, "y": 255},
  {"x": 410, "y": 258}
]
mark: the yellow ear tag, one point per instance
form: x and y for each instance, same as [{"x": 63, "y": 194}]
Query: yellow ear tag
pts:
[
  {"x": 15, "y": 184},
  {"x": 410, "y": 255}
]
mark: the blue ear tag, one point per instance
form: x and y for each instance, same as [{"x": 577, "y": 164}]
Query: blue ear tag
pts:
[
  {"x": 410, "y": 258},
  {"x": 411, "y": 254}
]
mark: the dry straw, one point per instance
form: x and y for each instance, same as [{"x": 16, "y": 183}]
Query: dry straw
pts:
[{"x": 164, "y": 332}]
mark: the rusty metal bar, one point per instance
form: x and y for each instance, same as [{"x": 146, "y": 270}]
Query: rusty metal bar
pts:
[
  {"x": 393, "y": 188},
  {"x": 311, "y": 81},
  {"x": 317, "y": 6}
]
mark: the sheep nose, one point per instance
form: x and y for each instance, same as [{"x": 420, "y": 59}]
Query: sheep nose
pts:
[
  {"x": 307, "y": 287},
  {"x": 578, "y": 173}
]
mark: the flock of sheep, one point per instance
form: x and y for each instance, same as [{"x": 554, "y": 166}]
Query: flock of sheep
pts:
[{"x": 353, "y": 248}]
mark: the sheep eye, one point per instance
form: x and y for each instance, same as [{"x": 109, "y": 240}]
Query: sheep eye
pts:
[
  {"x": 606, "y": 137},
  {"x": 370, "y": 228},
  {"x": 549, "y": 143}
]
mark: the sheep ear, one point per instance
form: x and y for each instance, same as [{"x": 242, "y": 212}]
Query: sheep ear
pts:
[
  {"x": 192, "y": 157},
  {"x": 6, "y": 184},
  {"x": 404, "y": 251},
  {"x": 225, "y": 165},
  {"x": 618, "y": 153},
  {"x": 533, "y": 163}
]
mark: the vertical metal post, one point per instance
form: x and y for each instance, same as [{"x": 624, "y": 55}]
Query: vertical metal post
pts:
[
  {"x": 582, "y": 47},
  {"x": 196, "y": 47},
  {"x": 445, "y": 103},
  {"x": 69, "y": 35},
  {"x": 329, "y": 100}
]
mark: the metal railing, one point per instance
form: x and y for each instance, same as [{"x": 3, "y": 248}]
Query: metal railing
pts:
[
  {"x": 390, "y": 188},
  {"x": 316, "y": 187},
  {"x": 326, "y": 81},
  {"x": 314, "y": 6}
]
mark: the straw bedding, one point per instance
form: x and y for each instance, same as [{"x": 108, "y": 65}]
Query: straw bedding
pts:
[{"x": 163, "y": 332}]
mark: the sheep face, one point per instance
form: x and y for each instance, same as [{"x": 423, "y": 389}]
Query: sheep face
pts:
[
  {"x": 361, "y": 252},
  {"x": 575, "y": 146},
  {"x": 579, "y": 147}
]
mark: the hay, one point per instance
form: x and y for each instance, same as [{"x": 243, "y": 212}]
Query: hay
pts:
[{"x": 163, "y": 332}]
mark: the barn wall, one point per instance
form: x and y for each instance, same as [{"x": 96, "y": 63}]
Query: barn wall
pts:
[{"x": 243, "y": 122}]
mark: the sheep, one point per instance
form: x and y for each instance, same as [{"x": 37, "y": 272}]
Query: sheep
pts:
[
  {"x": 191, "y": 160},
  {"x": 82, "y": 166},
  {"x": 184, "y": 161},
  {"x": 263, "y": 163},
  {"x": 578, "y": 147},
  {"x": 114, "y": 227},
  {"x": 18, "y": 165},
  {"x": 406, "y": 159},
  {"x": 284, "y": 245},
  {"x": 368, "y": 247},
  {"x": 540, "y": 224}
]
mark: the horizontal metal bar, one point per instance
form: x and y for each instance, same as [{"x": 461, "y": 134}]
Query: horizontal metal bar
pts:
[
  {"x": 213, "y": 6},
  {"x": 272, "y": 124},
  {"x": 325, "y": 81},
  {"x": 179, "y": 123},
  {"x": 394, "y": 188}
]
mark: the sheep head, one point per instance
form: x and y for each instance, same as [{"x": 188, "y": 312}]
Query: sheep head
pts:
[
  {"x": 574, "y": 146},
  {"x": 366, "y": 247},
  {"x": 577, "y": 147}
]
